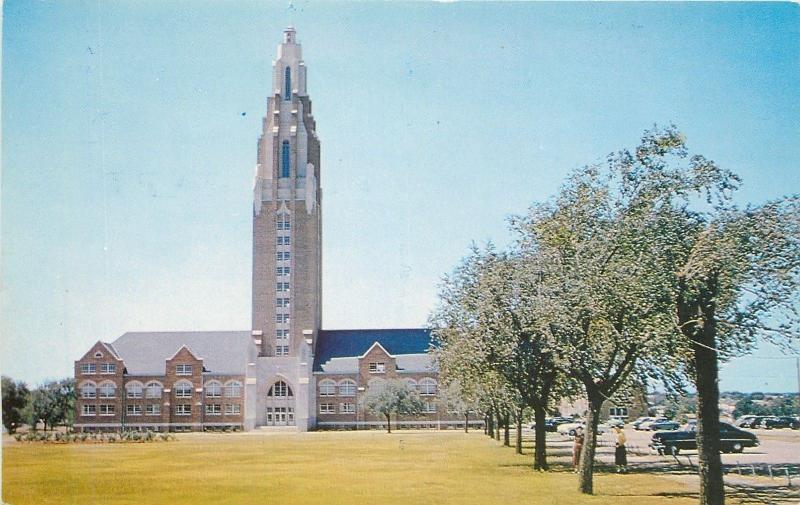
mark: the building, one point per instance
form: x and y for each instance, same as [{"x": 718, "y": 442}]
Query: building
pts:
[{"x": 285, "y": 371}]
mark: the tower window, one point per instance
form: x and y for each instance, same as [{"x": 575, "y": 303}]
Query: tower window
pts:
[
  {"x": 285, "y": 153},
  {"x": 287, "y": 83}
]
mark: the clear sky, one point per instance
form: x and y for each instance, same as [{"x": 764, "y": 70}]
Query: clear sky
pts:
[{"x": 129, "y": 140}]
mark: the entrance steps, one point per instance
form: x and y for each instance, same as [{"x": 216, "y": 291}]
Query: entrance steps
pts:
[{"x": 277, "y": 429}]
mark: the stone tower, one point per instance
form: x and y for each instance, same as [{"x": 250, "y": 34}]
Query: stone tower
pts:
[{"x": 287, "y": 236}]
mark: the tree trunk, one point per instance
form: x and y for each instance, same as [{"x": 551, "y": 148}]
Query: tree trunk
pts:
[
  {"x": 712, "y": 490},
  {"x": 490, "y": 423},
  {"x": 498, "y": 423},
  {"x": 586, "y": 470},
  {"x": 540, "y": 456},
  {"x": 519, "y": 431},
  {"x": 389, "y": 422},
  {"x": 506, "y": 430},
  {"x": 466, "y": 422}
]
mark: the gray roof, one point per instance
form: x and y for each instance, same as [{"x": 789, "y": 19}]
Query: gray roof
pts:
[{"x": 223, "y": 352}]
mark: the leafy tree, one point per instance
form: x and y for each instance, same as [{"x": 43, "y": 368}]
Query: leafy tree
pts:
[
  {"x": 15, "y": 397},
  {"x": 52, "y": 403},
  {"x": 392, "y": 396},
  {"x": 458, "y": 400}
]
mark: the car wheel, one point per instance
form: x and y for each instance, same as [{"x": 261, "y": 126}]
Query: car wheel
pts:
[
  {"x": 671, "y": 449},
  {"x": 572, "y": 433},
  {"x": 737, "y": 447}
]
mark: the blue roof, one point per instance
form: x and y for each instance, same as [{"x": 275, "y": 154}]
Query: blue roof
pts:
[{"x": 352, "y": 343}]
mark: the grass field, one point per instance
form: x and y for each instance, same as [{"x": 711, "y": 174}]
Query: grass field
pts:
[{"x": 312, "y": 468}]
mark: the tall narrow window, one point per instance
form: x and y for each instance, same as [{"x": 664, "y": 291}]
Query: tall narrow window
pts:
[
  {"x": 287, "y": 83},
  {"x": 285, "y": 153}
]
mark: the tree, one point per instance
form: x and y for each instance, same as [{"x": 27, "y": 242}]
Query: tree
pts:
[
  {"x": 392, "y": 396},
  {"x": 52, "y": 403},
  {"x": 456, "y": 399},
  {"x": 15, "y": 397}
]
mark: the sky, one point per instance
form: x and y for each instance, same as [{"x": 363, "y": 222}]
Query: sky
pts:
[{"x": 129, "y": 136}]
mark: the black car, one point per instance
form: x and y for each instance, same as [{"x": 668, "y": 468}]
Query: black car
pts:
[
  {"x": 777, "y": 422},
  {"x": 552, "y": 423},
  {"x": 731, "y": 438}
]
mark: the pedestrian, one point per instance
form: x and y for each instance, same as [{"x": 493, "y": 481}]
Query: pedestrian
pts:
[
  {"x": 620, "y": 456},
  {"x": 577, "y": 446}
]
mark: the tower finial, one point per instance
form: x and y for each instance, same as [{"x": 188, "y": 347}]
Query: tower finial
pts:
[{"x": 289, "y": 35}]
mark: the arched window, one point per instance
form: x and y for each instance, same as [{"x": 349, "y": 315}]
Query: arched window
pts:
[
  {"x": 153, "y": 390},
  {"x": 427, "y": 386},
  {"x": 287, "y": 84},
  {"x": 327, "y": 388},
  {"x": 280, "y": 390},
  {"x": 411, "y": 383},
  {"x": 213, "y": 389},
  {"x": 134, "y": 389},
  {"x": 88, "y": 390},
  {"x": 183, "y": 389},
  {"x": 286, "y": 152},
  {"x": 107, "y": 390},
  {"x": 347, "y": 388},
  {"x": 233, "y": 389}
]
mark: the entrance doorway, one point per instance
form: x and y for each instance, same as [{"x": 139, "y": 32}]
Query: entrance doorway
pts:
[{"x": 280, "y": 405}]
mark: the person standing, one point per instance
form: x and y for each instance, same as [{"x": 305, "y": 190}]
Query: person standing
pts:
[
  {"x": 620, "y": 454},
  {"x": 577, "y": 446}
]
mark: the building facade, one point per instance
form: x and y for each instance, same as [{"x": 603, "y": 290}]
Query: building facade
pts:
[{"x": 286, "y": 371}]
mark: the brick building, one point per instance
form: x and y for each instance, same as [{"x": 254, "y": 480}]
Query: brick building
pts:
[{"x": 285, "y": 371}]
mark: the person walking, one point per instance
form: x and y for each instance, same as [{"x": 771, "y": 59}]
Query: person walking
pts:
[
  {"x": 577, "y": 446},
  {"x": 620, "y": 455}
]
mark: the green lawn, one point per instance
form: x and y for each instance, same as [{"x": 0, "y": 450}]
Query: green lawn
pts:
[{"x": 311, "y": 468}]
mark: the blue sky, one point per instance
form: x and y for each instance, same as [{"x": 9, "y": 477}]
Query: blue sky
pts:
[{"x": 129, "y": 134}]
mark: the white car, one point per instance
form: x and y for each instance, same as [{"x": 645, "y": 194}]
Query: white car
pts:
[
  {"x": 568, "y": 429},
  {"x": 645, "y": 426}
]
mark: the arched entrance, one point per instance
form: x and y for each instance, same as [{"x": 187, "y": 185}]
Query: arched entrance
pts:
[{"x": 280, "y": 405}]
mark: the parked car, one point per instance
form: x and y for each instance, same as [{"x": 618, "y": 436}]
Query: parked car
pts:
[
  {"x": 638, "y": 423},
  {"x": 749, "y": 422},
  {"x": 646, "y": 424},
  {"x": 568, "y": 429},
  {"x": 778, "y": 422},
  {"x": 551, "y": 423},
  {"x": 732, "y": 439},
  {"x": 663, "y": 425},
  {"x": 615, "y": 422}
]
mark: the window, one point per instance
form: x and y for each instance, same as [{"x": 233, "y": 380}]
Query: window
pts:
[
  {"x": 427, "y": 386},
  {"x": 183, "y": 409},
  {"x": 282, "y": 350},
  {"x": 89, "y": 390},
  {"x": 183, "y": 369},
  {"x": 283, "y": 287},
  {"x": 282, "y": 271},
  {"x": 327, "y": 388},
  {"x": 183, "y": 389},
  {"x": 89, "y": 410},
  {"x": 379, "y": 367},
  {"x": 347, "y": 388},
  {"x": 284, "y": 224},
  {"x": 88, "y": 368},
  {"x": 281, "y": 318},
  {"x": 153, "y": 390},
  {"x": 98, "y": 354},
  {"x": 284, "y": 240},
  {"x": 282, "y": 302},
  {"x": 327, "y": 408},
  {"x": 283, "y": 256},
  {"x": 280, "y": 390},
  {"x": 107, "y": 410},
  {"x": 133, "y": 410},
  {"x": 153, "y": 410},
  {"x": 107, "y": 390},
  {"x": 287, "y": 84},
  {"x": 213, "y": 409},
  {"x": 233, "y": 409},
  {"x": 108, "y": 368},
  {"x": 618, "y": 412},
  {"x": 285, "y": 157},
  {"x": 411, "y": 383},
  {"x": 134, "y": 390},
  {"x": 282, "y": 334},
  {"x": 347, "y": 408},
  {"x": 233, "y": 389},
  {"x": 430, "y": 408},
  {"x": 214, "y": 389}
]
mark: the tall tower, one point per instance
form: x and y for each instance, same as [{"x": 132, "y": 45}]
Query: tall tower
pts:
[{"x": 287, "y": 233}]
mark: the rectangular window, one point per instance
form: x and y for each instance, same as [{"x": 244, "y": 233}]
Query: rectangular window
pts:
[
  {"x": 153, "y": 410},
  {"x": 89, "y": 410},
  {"x": 618, "y": 412},
  {"x": 347, "y": 408},
  {"x": 88, "y": 368},
  {"x": 326, "y": 408},
  {"x": 378, "y": 367},
  {"x": 107, "y": 410},
  {"x": 282, "y": 270},
  {"x": 281, "y": 318},
  {"x": 282, "y": 334},
  {"x": 282, "y": 350},
  {"x": 183, "y": 370},
  {"x": 184, "y": 409},
  {"x": 133, "y": 410},
  {"x": 283, "y": 287},
  {"x": 214, "y": 409},
  {"x": 108, "y": 368},
  {"x": 283, "y": 255},
  {"x": 284, "y": 225},
  {"x": 430, "y": 408},
  {"x": 233, "y": 409},
  {"x": 282, "y": 302},
  {"x": 284, "y": 240}
]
